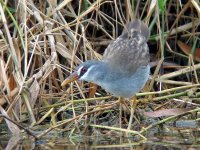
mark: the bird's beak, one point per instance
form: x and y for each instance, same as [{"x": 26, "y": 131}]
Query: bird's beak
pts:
[{"x": 73, "y": 77}]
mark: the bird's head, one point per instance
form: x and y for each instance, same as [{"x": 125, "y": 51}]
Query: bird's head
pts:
[{"x": 87, "y": 71}]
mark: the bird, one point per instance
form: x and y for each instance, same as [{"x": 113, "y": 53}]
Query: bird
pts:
[{"x": 124, "y": 68}]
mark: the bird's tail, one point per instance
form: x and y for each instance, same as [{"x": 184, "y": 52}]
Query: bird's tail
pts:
[{"x": 137, "y": 25}]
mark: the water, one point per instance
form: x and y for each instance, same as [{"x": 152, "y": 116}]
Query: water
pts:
[{"x": 172, "y": 138}]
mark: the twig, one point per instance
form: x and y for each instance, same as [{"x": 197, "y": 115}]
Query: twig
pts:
[{"x": 19, "y": 125}]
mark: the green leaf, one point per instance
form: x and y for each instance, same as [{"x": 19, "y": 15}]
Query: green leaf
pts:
[{"x": 161, "y": 5}]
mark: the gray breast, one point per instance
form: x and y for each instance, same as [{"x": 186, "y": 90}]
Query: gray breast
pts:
[{"x": 127, "y": 87}]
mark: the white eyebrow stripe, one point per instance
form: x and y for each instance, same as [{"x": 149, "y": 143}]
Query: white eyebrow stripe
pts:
[
  {"x": 79, "y": 71},
  {"x": 85, "y": 75}
]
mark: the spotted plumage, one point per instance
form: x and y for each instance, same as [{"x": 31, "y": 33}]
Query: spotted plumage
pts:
[{"x": 130, "y": 49}]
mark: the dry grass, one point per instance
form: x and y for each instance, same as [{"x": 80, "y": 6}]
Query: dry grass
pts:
[{"x": 42, "y": 42}]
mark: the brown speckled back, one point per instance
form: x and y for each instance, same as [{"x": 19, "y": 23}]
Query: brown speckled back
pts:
[{"x": 130, "y": 49}]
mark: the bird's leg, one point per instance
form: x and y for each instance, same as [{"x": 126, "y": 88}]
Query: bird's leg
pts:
[
  {"x": 92, "y": 90},
  {"x": 122, "y": 106},
  {"x": 120, "y": 112},
  {"x": 133, "y": 104}
]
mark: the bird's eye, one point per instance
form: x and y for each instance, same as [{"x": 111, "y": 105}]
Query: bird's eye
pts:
[{"x": 83, "y": 71}]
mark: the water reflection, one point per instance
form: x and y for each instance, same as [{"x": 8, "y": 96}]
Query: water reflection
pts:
[{"x": 172, "y": 139}]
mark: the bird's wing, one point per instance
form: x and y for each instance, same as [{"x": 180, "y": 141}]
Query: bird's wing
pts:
[{"x": 130, "y": 49}]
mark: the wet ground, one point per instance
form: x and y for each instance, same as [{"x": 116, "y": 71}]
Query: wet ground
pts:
[{"x": 171, "y": 138}]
